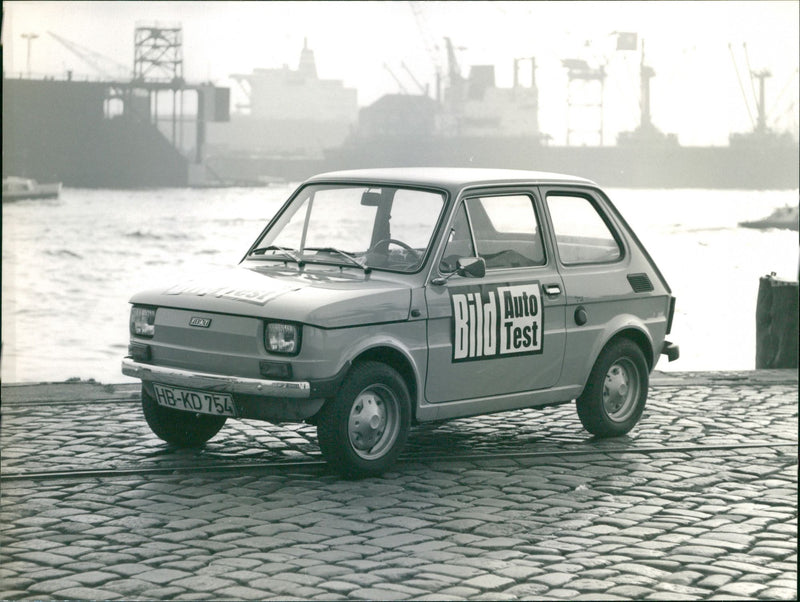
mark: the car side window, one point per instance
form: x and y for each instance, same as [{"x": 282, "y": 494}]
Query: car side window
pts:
[
  {"x": 459, "y": 242},
  {"x": 582, "y": 235},
  {"x": 506, "y": 230}
]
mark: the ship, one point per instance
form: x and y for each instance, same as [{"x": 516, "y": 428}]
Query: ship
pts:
[
  {"x": 783, "y": 218},
  {"x": 113, "y": 134},
  {"x": 481, "y": 125},
  {"x": 281, "y": 128},
  {"x": 16, "y": 188},
  {"x": 471, "y": 121}
]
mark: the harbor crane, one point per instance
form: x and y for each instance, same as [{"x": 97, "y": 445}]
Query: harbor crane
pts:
[
  {"x": 396, "y": 79},
  {"x": 757, "y": 96},
  {"x": 422, "y": 89},
  {"x": 403, "y": 90},
  {"x": 430, "y": 46},
  {"x": 102, "y": 65},
  {"x": 29, "y": 38},
  {"x": 453, "y": 70}
]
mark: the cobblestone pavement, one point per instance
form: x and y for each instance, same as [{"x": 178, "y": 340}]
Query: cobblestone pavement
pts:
[
  {"x": 110, "y": 432},
  {"x": 612, "y": 519}
]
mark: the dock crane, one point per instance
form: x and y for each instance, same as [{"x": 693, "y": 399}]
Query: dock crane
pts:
[
  {"x": 430, "y": 47},
  {"x": 403, "y": 90},
  {"x": 396, "y": 79},
  {"x": 758, "y": 96},
  {"x": 457, "y": 84},
  {"x": 422, "y": 89},
  {"x": 104, "y": 66},
  {"x": 761, "y": 113},
  {"x": 453, "y": 70}
]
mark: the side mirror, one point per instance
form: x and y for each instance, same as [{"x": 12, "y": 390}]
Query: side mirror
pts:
[
  {"x": 468, "y": 267},
  {"x": 471, "y": 267}
]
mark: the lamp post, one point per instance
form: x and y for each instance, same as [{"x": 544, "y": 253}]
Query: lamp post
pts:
[{"x": 29, "y": 37}]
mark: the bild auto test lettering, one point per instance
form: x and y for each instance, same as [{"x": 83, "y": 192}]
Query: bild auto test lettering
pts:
[
  {"x": 256, "y": 297},
  {"x": 496, "y": 320}
]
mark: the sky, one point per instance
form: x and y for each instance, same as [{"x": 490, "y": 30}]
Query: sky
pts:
[{"x": 695, "y": 48}]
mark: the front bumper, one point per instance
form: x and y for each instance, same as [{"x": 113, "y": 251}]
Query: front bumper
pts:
[{"x": 237, "y": 385}]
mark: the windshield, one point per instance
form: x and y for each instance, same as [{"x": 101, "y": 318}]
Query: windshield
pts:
[{"x": 380, "y": 227}]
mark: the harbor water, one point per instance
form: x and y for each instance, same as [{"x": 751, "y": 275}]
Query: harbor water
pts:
[{"x": 70, "y": 265}]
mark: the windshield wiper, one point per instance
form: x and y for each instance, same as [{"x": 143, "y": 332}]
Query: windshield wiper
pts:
[
  {"x": 285, "y": 252},
  {"x": 341, "y": 253}
]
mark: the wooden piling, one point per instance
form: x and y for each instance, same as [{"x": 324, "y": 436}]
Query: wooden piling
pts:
[{"x": 776, "y": 323}]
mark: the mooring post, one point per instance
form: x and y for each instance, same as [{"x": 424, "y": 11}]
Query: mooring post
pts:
[{"x": 776, "y": 323}]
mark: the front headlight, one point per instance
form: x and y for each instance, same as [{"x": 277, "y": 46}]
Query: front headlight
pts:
[
  {"x": 143, "y": 321},
  {"x": 280, "y": 337}
]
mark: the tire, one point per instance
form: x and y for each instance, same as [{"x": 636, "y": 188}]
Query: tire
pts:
[
  {"x": 615, "y": 395},
  {"x": 182, "y": 429},
  {"x": 362, "y": 430}
]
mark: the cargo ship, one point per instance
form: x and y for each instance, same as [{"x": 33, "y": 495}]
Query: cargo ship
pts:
[
  {"x": 474, "y": 122},
  {"x": 479, "y": 124},
  {"x": 114, "y": 133}
]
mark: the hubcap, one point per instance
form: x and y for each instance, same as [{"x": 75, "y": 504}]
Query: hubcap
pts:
[
  {"x": 621, "y": 390},
  {"x": 374, "y": 421}
]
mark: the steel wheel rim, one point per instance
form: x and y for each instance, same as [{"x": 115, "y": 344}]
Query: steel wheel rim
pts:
[
  {"x": 374, "y": 422},
  {"x": 621, "y": 390}
]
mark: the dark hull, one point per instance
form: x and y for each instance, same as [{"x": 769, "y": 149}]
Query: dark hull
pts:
[
  {"x": 785, "y": 218},
  {"x": 10, "y": 197},
  {"x": 60, "y": 131},
  {"x": 748, "y": 167}
]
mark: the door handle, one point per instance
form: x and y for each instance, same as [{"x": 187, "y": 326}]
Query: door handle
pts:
[{"x": 552, "y": 290}]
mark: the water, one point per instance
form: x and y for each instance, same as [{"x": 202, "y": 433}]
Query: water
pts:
[{"x": 70, "y": 266}]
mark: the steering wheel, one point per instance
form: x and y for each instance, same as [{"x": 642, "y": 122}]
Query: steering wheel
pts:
[{"x": 399, "y": 243}]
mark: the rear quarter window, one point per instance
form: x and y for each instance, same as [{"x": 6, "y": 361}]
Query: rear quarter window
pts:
[{"x": 582, "y": 235}]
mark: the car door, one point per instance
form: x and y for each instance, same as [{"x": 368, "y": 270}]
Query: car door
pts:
[
  {"x": 598, "y": 275},
  {"x": 503, "y": 333}
]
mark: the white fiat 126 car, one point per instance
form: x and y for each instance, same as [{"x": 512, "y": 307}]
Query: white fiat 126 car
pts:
[{"x": 377, "y": 299}]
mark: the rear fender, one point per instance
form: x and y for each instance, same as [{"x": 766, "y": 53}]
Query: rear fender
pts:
[{"x": 625, "y": 325}]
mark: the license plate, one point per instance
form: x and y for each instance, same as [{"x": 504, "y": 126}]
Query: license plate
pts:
[{"x": 202, "y": 402}]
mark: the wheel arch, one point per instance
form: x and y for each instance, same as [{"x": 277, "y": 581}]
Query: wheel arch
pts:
[
  {"x": 640, "y": 338},
  {"x": 626, "y": 329},
  {"x": 396, "y": 359}
]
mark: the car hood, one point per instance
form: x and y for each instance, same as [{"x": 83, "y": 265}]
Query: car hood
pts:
[{"x": 328, "y": 298}]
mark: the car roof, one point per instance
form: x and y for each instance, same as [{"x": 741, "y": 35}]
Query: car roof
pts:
[{"x": 447, "y": 176}]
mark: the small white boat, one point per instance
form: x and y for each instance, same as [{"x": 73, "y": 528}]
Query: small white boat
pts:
[
  {"x": 783, "y": 217},
  {"x": 17, "y": 189}
]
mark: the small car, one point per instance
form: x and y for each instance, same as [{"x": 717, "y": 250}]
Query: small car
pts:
[{"x": 378, "y": 299}]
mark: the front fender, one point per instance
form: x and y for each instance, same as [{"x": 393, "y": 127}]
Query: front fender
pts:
[
  {"x": 410, "y": 362},
  {"x": 402, "y": 345}
]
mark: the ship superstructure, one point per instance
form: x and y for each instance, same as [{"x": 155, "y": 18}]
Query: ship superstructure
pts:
[{"x": 288, "y": 113}]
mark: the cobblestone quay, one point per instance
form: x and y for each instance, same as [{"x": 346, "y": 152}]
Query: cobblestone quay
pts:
[{"x": 698, "y": 502}]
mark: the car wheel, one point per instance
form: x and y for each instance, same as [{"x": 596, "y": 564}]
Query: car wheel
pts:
[
  {"x": 362, "y": 430},
  {"x": 183, "y": 429},
  {"x": 614, "y": 397}
]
